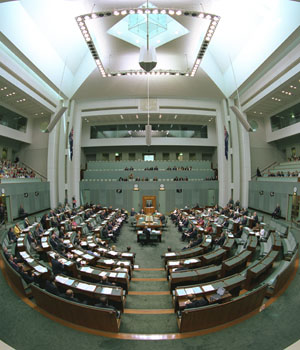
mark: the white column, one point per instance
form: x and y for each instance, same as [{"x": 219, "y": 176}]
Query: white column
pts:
[
  {"x": 74, "y": 168},
  {"x": 236, "y": 166},
  {"x": 52, "y": 166},
  {"x": 245, "y": 162},
  {"x": 224, "y": 167},
  {"x": 61, "y": 159}
]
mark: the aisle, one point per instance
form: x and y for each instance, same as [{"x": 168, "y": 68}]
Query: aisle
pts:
[{"x": 148, "y": 307}]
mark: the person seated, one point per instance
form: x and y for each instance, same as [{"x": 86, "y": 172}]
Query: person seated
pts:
[
  {"x": 69, "y": 295},
  {"x": 192, "y": 302},
  {"x": 221, "y": 240},
  {"x": 146, "y": 232},
  {"x": 208, "y": 229},
  {"x": 244, "y": 220},
  {"x": 26, "y": 222},
  {"x": 22, "y": 213},
  {"x": 263, "y": 234},
  {"x": 239, "y": 231},
  {"x": 122, "y": 268},
  {"x": 28, "y": 276},
  {"x": 255, "y": 218},
  {"x": 11, "y": 236},
  {"x": 181, "y": 266},
  {"x": 57, "y": 267},
  {"x": 13, "y": 263},
  {"x": 106, "y": 282},
  {"x": 277, "y": 212},
  {"x": 103, "y": 303},
  {"x": 17, "y": 230}
]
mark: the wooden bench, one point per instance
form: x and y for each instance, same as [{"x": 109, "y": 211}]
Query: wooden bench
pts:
[
  {"x": 260, "y": 269},
  {"x": 203, "y": 274},
  {"x": 14, "y": 277},
  {"x": 80, "y": 314},
  {"x": 217, "y": 314},
  {"x": 290, "y": 246}
]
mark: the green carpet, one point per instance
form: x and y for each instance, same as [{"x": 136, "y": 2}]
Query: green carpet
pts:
[
  {"x": 150, "y": 324},
  {"x": 274, "y": 328},
  {"x": 149, "y": 302}
]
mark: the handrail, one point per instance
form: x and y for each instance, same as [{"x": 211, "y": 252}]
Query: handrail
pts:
[
  {"x": 264, "y": 169},
  {"x": 36, "y": 172}
]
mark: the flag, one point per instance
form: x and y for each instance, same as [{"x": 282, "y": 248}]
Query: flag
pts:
[
  {"x": 71, "y": 143},
  {"x": 226, "y": 135}
]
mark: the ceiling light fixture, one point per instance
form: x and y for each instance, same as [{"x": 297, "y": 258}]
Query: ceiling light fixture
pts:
[{"x": 214, "y": 20}]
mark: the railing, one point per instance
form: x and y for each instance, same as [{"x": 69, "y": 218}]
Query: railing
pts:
[
  {"x": 43, "y": 177},
  {"x": 264, "y": 169}
]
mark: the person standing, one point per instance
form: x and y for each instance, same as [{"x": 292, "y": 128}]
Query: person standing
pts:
[{"x": 74, "y": 202}]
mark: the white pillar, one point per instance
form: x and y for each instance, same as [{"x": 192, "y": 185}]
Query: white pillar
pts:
[
  {"x": 74, "y": 168},
  {"x": 236, "y": 165},
  {"x": 245, "y": 162},
  {"x": 224, "y": 165},
  {"x": 52, "y": 166}
]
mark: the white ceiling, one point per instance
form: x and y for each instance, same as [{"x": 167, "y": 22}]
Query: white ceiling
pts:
[{"x": 242, "y": 24}]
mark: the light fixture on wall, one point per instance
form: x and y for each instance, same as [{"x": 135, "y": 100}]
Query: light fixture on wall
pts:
[
  {"x": 261, "y": 192},
  {"x": 136, "y": 187},
  {"x": 272, "y": 194},
  {"x": 161, "y": 187},
  {"x": 295, "y": 191}
]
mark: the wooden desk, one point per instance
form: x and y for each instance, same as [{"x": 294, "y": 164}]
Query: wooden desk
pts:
[
  {"x": 223, "y": 299},
  {"x": 236, "y": 264},
  {"x": 80, "y": 314},
  {"x": 216, "y": 314},
  {"x": 148, "y": 221},
  {"x": 155, "y": 235},
  {"x": 149, "y": 210},
  {"x": 96, "y": 274},
  {"x": 93, "y": 290},
  {"x": 202, "y": 274},
  {"x": 232, "y": 284}
]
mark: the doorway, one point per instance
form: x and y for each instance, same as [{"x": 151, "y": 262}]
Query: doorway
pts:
[
  {"x": 5, "y": 200},
  {"x": 293, "y": 208},
  {"x": 211, "y": 199}
]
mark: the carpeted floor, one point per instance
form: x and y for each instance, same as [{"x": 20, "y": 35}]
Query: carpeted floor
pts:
[{"x": 274, "y": 328}]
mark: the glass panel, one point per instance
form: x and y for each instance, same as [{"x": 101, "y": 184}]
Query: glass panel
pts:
[
  {"x": 12, "y": 120},
  {"x": 286, "y": 118},
  {"x": 138, "y": 130}
]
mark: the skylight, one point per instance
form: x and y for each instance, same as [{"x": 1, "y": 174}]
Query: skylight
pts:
[{"x": 133, "y": 28}]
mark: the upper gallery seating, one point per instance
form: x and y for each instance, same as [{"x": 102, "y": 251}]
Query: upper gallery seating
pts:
[
  {"x": 285, "y": 171},
  {"x": 15, "y": 172},
  {"x": 149, "y": 171}
]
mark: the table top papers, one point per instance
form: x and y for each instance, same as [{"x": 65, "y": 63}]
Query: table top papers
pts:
[
  {"x": 85, "y": 286},
  {"x": 86, "y": 269},
  {"x": 64, "y": 280},
  {"x": 40, "y": 269},
  {"x": 208, "y": 288},
  {"x": 106, "y": 290}
]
